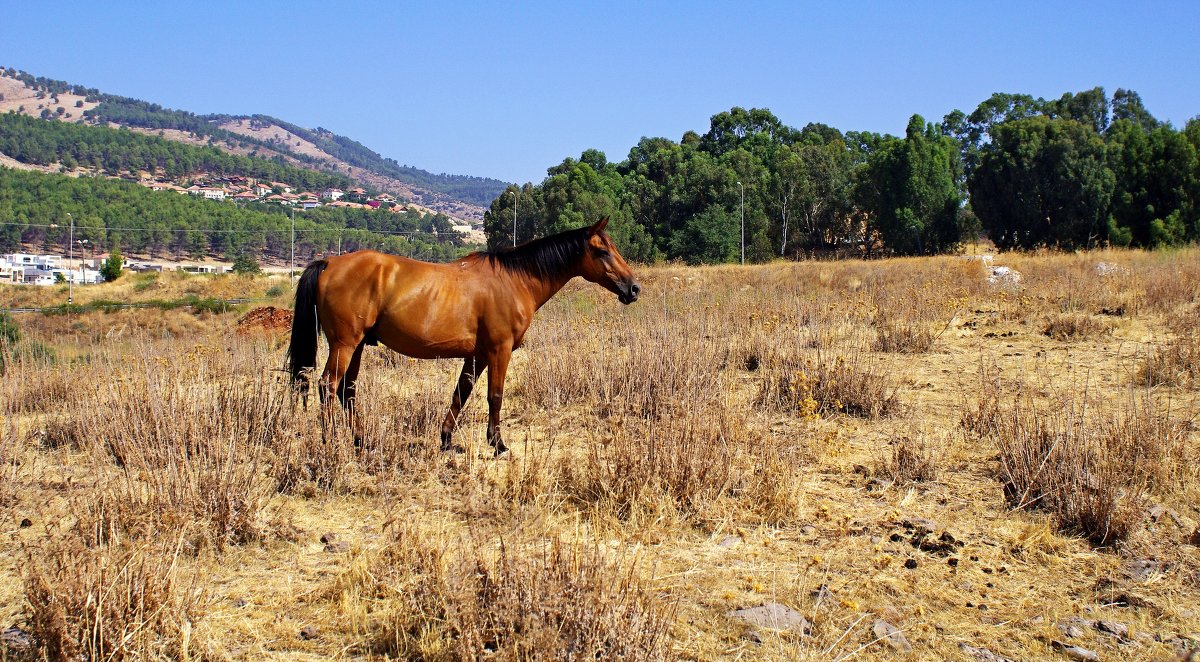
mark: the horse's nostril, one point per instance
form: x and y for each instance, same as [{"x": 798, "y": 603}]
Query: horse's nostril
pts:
[{"x": 635, "y": 288}]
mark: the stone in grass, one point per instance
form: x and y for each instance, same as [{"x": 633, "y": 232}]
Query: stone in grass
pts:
[
  {"x": 1076, "y": 652},
  {"x": 775, "y": 616},
  {"x": 891, "y": 635},
  {"x": 333, "y": 545},
  {"x": 309, "y": 632},
  {"x": 982, "y": 654}
]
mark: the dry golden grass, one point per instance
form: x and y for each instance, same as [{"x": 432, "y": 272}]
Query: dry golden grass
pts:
[{"x": 894, "y": 440}]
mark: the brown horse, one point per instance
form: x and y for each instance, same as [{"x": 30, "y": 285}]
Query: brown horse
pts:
[{"x": 476, "y": 308}]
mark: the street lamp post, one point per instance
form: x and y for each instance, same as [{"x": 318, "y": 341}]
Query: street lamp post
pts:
[
  {"x": 70, "y": 260},
  {"x": 742, "y": 214}
]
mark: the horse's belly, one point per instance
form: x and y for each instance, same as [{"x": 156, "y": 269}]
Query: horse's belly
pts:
[{"x": 431, "y": 344}]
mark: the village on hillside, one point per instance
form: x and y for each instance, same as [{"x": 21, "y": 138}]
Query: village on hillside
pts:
[{"x": 247, "y": 189}]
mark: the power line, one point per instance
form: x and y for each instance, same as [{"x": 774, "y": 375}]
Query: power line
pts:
[{"x": 225, "y": 231}]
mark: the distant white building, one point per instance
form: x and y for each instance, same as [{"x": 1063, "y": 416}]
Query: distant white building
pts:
[
  {"x": 30, "y": 269},
  {"x": 203, "y": 268},
  {"x": 31, "y": 260},
  {"x": 332, "y": 194},
  {"x": 8, "y": 272}
]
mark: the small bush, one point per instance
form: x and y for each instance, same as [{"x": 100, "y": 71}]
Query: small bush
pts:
[
  {"x": 563, "y": 602},
  {"x": 111, "y": 603},
  {"x": 829, "y": 385},
  {"x": 1176, "y": 364},
  {"x": 911, "y": 461},
  {"x": 1090, "y": 472},
  {"x": 903, "y": 338},
  {"x": 1068, "y": 326}
]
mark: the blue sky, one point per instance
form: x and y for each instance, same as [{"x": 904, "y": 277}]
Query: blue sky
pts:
[{"x": 507, "y": 90}]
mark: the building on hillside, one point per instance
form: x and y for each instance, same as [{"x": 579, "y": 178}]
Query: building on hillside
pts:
[
  {"x": 80, "y": 276},
  {"x": 25, "y": 260},
  {"x": 245, "y": 196},
  {"x": 262, "y": 189},
  {"x": 279, "y": 200},
  {"x": 203, "y": 268},
  {"x": 332, "y": 194},
  {"x": 309, "y": 203},
  {"x": 282, "y": 187},
  {"x": 10, "y": 273}
]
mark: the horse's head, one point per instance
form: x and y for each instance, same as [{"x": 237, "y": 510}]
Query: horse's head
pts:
[{"x": 602, "y": 264}]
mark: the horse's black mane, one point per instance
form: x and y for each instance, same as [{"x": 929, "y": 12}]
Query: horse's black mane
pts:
[{"x": 544, "y": 257}]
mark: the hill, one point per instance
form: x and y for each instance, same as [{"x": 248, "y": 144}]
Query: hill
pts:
[{"x": 317, "y": 149}]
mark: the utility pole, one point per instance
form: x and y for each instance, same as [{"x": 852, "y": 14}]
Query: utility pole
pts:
[
  {"x": 292, "y": 257},
  {"x": 71, "y": 259},
  {"x": 743, "y": 222}
]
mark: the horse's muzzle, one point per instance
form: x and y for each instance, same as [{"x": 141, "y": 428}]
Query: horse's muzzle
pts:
[{"x": 628, "y": 292}]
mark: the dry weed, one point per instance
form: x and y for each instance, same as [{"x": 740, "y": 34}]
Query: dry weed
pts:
[
  {"x": 433, "y": 600},
  {"x": 829, "y": 385},
  {"x": 1074, "y": 326},
  {"x": 1177, "y": 364},
  {"x": 911, "y": 461},
  {"x": 111, "y": 603},
  {"x": 1091, "y": 470},
  {"x": 903, "y": 338}
]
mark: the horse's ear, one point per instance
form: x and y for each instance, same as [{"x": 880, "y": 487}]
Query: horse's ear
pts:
[{"x": 599, "y": 227}]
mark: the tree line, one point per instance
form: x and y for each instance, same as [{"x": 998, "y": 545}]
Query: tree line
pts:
[
  {"x": 1078, "y": 171},
  {"x": 37, "y": 209}
]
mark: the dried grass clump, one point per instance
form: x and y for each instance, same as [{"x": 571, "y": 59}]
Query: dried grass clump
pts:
[
  {"x": 308, "y": 461},
  {"x": 903, "y": 338},
  {"x": 563, "y": 602},
  {"x": 681, "y": 463},
  {"x": 1091, "y": 473},
  {"x": 1177, "y": 364},
  {"x": 188, "y": 438},
  {"x": 829, "y": 385},
  {"x": 111, "y": 603},
  {"x": 911, "y": 461},
  {"x": 702, "y": 467},
  {"x": 1074, "y": 325},
  {"x": 652, "y": 367}
]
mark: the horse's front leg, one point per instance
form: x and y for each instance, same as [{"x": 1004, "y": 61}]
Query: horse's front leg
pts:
[
  {"x": 497, "y": 367},
  {"x": 466, "y": 382}
]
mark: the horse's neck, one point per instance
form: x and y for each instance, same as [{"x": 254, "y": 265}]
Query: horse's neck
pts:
[{"x": 542, "y": 290}]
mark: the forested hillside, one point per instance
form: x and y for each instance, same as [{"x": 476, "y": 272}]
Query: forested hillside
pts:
[
  {"x": 126, "y": 111},
  {"x": 114, "y": 151},
  {"x": 36, "y": 210},
  {"x": 1078, "y": 171}
]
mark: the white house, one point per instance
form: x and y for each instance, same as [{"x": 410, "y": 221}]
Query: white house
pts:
[
  {"x": 30, "y": 260},
  {"x": 10, "y": 273},
  {"x": 332, "y": 194}
]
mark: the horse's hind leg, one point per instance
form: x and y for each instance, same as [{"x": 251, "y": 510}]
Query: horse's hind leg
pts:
[
  {"x": 347, "y": 390},
  {"x": 466, "y": 382},
  {"x": 340, "y": 358}
]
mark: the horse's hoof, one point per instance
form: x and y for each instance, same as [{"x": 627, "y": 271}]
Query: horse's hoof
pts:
[
  {"x": 501, "y": 449},
  {"x": 453, "y": 448}
]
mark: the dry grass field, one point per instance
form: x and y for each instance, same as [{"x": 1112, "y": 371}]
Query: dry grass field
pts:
[{"x": 898, "y": 458}]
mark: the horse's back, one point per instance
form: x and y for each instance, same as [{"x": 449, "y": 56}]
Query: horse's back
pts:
[{"x": 417, "y": 308}]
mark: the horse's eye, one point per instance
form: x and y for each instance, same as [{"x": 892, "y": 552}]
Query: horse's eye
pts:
[{"x": 600, "y": 252}]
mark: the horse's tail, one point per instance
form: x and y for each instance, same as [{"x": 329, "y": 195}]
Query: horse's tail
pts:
[{"x": 302, "y": 350}]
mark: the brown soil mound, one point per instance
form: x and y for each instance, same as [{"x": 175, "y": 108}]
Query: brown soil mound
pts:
[{"x": 267, "y": 319}]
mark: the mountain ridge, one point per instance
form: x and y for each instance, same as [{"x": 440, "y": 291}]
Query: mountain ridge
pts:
[{"x": 459, "y": 196}]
